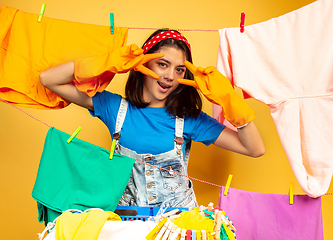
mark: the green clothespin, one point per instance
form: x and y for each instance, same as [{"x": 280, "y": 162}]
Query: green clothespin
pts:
[
  {"x": 41, "y": 12},
  {"x": 74, "y": 134},
  {"x": 112, "y": 22}
]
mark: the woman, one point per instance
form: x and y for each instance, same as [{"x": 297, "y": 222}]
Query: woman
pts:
[{"x": 159, "y": 117}]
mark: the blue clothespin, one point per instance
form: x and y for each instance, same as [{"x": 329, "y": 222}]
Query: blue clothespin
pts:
[
  {"x": 74, "y": 134},
  {"x": 112, "y": 22},
  {"x": 42, "y": 10}
]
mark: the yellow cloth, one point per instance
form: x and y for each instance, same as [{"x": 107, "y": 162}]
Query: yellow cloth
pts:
[
  {"x": 27, "y": 48},
  {"x": 82, "y": 226},
  {"x": 192, "y": 220}
]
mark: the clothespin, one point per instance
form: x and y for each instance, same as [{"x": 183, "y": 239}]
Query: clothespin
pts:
[
  {"x": 227, "y": 222},
  {"x": 174, "y": 216},
  {"x": 201, "y": 208},
  {"x": 199, "y": 235},
  {"x": 194, "y": 234},
  {"x": 42, "y": 10},
  {"x": 291, "y": 193},
  {"x": 183, "y": 234},
  {"x": 227, "y": 185},
  {"x": 156, "y": 228},
  {"x": 210, "y": 206},
  {"x": 158, "y": 216},
  {"x": 116, "y": 137},
  {"x": 203, "y": 235},
  {"x": 74, "y": 134},
  {"x": 242, "y": 22},
  {"x": 163, "y": 229},
  {"x": 168, "y": 214},
  {"x": 168, "y": 230},
  {"x": 217, "y": 227},
  {"x": 175, "y": 235},
  {"x": 112, "y": 22},
  {"x": 188, "y": 234}
]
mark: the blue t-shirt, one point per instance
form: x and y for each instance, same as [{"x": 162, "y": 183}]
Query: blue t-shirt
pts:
[{"x": 152, "y": 130}]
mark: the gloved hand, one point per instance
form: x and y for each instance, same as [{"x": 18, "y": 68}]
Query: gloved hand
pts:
[
  {"x": 121, "y": 60},
  {"x": 217, "y": 89}
]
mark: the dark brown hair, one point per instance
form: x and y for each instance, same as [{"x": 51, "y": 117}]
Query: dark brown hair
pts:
[{"x": 183, "y": 101}]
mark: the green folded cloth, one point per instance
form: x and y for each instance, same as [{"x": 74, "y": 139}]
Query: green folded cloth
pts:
[{"x": 78, "y": 175}]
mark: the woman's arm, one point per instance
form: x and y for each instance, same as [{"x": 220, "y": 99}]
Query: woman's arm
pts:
[
  {"x": 247, "y": 141},
  {"x": 58, "y": 79}
]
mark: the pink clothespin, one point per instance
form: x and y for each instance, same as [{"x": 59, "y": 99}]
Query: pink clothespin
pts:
[{"x": 242, "y": 22}]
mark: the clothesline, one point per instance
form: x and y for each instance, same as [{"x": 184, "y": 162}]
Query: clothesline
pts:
[
  {"x": 178, "y": 29},
  {"x": 196, "y": 179}
]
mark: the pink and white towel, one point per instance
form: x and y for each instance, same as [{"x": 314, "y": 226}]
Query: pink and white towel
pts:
[{"x": 287, "y": 63}]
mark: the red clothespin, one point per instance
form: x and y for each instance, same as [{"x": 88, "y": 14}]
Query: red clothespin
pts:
[
  {"x": 242, "y": 22},
  {"x": 189, "y": 235}
]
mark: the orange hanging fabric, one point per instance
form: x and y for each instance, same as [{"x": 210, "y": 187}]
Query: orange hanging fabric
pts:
[{"x": 27, "y": 48}]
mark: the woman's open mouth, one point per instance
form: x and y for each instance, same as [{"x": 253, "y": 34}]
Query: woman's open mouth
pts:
[{"x": 163, "y": 87}]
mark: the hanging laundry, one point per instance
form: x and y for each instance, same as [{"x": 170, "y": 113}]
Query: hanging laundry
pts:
[
  {"x": 78, "y": 175},
  {"x": 286, "y": 63},
  {"x": 28, "y": 47},
  {"x": 262, "y": 216}
]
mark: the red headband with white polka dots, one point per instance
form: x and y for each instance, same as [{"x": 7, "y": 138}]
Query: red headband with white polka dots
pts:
[{"x": 164, "y": 35}]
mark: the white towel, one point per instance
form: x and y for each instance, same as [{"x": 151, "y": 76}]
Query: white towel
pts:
[{"x": 287, "y": 63}]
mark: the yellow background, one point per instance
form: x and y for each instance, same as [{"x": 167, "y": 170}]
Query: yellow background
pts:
[{"x": 22, "y": 138}]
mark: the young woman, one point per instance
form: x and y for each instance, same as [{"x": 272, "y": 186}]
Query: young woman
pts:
[{"x": 159, "y": 117}]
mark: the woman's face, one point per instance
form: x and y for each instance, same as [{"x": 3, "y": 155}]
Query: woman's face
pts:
[{"x": 169, "y": 68}]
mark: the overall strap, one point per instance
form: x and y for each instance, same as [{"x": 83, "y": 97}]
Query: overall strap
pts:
[
  {"x": 120, "y": 118},
  {"x": 179, "y": 139}
]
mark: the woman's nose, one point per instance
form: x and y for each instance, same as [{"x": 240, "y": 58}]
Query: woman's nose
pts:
[{"x": 169, "y": 75}]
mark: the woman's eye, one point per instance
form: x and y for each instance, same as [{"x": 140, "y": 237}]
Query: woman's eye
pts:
[
  {"x": 180, "y": 70},
  {"x": 161, "y": 64}
]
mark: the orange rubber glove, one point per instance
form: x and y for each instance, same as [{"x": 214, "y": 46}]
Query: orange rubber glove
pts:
[
  {"x": 120, "y": 60},
  {"x": 217, "y": 89}
]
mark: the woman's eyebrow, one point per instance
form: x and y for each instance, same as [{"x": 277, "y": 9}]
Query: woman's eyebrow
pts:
[{"x": 167, "y": 61}]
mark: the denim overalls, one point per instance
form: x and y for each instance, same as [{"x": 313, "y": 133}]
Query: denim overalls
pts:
[{"x": 151, "y": 186}]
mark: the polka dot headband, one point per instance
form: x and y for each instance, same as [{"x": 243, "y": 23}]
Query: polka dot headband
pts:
[{"x": 164, "y": 35}]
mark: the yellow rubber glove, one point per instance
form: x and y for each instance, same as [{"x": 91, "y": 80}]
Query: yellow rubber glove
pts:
[
  {"x": 120, "y": 60},
  {"x": 217, "y": 89}
]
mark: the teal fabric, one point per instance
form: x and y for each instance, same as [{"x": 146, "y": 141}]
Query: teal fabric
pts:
[{"x": 78, "y": 175}]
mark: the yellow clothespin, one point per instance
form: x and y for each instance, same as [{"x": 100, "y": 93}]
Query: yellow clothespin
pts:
[
  {"x": 156, "y": 228},
  {"x": 227, "y": 185},
  {"x": 112, "y": 22},
  {"x": 42, "y": 10},
  {"x": 199, "y": 235},
  {"x": 74, "y": 134},
  {"x": 116, "y": 137},
  {"x": 291, "y": 193},
  {"x": 164, "y": 228}
]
